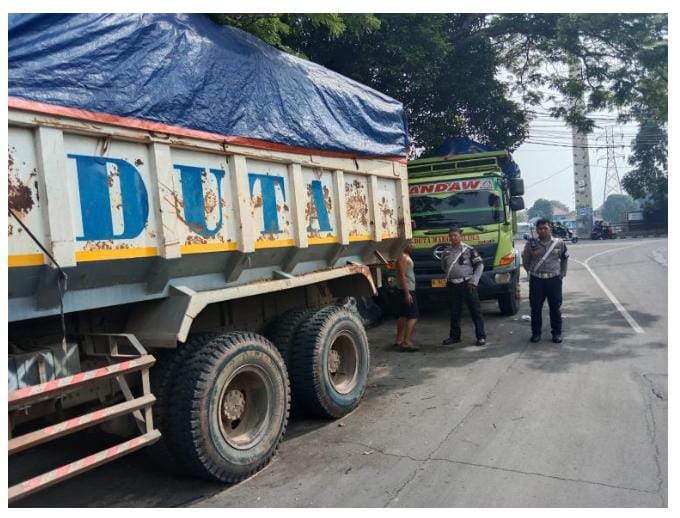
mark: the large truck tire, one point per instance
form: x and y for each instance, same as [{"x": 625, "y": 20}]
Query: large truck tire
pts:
[
  {"x": 282, "y": 332},
  {"x": 508, "y": 303},
  {"x": 163, "y": 377},
  {"x": 231, "y": 407},
  {"x": 330, "y": 363}
]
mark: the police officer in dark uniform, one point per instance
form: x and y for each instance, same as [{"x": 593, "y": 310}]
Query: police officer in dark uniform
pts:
[
  {"x": 545, "y": 260},
  {"x": 463, "y": 267}
]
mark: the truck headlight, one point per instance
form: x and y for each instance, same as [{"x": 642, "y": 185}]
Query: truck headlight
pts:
[{"x": 503, "y": 278}]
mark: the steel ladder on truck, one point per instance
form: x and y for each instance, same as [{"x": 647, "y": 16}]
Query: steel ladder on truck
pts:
[{"x": 139, "y": 406}]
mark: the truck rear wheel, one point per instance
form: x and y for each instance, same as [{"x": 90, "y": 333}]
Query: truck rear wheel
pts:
[
  {"x": 231, "y": 407},
  {"x": 163, "y": 379},
  {"x": 330, "y": 363},
  {"x": 282, "y": 331},
  {"x": 508, "y": 303}
]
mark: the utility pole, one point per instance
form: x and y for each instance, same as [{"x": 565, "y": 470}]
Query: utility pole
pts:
[{"x": 582, "y": 186}]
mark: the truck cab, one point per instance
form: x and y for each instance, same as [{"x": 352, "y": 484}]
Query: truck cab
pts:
[{"x": 473, "y": 192}]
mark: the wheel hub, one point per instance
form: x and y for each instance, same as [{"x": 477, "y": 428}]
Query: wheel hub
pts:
[
  {"x": 334, "y": 361},
  {"x": 234, "y": 405}
]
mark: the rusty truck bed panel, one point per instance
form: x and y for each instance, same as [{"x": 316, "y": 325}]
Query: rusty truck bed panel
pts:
[{"x": 129, "y": 213}]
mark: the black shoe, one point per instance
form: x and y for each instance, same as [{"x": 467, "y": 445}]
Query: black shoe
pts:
[
  {"x": 535, "y": 338},
  {"x": 451, "y": 341},
  {"x": 480, "y": 341},
  {"x": 557, "y": 339}
]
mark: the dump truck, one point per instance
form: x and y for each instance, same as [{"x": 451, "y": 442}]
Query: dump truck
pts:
[
  {"x": 471, "y": 186},
  {"x": 188, "y": 210}
]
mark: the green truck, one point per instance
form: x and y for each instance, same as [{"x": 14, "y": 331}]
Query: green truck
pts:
[{"x": 479, "y": 192}]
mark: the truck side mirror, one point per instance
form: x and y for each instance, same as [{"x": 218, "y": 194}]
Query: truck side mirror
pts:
[
  {"x": 516, "y": 187},
  {"x": 516, "y": 203}
]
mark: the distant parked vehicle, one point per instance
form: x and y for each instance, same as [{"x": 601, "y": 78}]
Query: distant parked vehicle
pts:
[
  {"x": 563, "y": 232},
  {"x": 602, "y": 230}
]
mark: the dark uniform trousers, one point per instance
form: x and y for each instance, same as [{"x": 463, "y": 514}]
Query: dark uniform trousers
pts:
[
  {"x": 459, "y": 293},
  {"x": 539, "y": 290}
]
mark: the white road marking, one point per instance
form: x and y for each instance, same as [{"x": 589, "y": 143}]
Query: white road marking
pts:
[
  {"x": 609, "y": 294},
  {"x": 660, "y": 258}
]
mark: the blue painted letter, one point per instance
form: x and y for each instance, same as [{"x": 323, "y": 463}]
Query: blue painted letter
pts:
[
  {"x": 321, "y": 210},
  {"x": 95, "y": 200},
  {"x": 192, "y": 194},
  {"x": 267, "y": 187}
]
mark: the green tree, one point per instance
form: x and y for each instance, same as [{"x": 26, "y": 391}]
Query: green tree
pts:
[
  {"x": 274, "y": 28},
  {"x": 622, "y": 62},
  {"x": 648, "y": 181},
  {"x": 446, "y": 68},
  {"x": 434, "y": 64},
  {"x": 615, "y": 207},
  {"x": 556, "y": 204},
  {"x": 541, "y": 208}
]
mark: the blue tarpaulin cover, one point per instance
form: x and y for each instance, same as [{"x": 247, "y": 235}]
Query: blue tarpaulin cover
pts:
[
  {"x": 187, "y": 71},
  {"x": 464, "y": 146}
]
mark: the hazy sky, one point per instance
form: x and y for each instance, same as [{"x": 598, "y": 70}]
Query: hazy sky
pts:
[{"x": 547, "y": 164}]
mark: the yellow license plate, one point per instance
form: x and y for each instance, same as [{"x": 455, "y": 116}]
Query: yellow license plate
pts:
[{"x": 439, "y": 283}]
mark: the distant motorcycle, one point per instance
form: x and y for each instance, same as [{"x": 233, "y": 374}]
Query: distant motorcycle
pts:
[
  {"x": 564, "y": 233},
  {"x": 602, "y": 230}
]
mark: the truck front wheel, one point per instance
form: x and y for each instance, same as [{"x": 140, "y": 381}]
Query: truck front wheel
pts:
[
  {"x": 330, "y": 363},
  {"x": 231, "y": 408},
  {"x": 508, "y": 302}
]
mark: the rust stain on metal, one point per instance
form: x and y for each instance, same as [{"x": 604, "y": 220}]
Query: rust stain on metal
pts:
[
  {"x": 19, "y": 195},
  {"x": 99, "y": 245},
  {"x": 357, "y": 204},
  {"x": 311, "y": 214},
  {"x": 178, "y": 206},
  {"x": 387, "y": 214},
  {"x": 327, "y": 199},
  {"x": 209, "y": 202},
  {"x": 195, "y": 240},
  {"x": 270, "y": 236},
  {"x": 106, "y": 245}
]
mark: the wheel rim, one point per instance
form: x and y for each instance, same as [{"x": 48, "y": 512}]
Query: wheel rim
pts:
[
  {"x": 245, "y": 406},
  {"x": 343, "y": 363}
]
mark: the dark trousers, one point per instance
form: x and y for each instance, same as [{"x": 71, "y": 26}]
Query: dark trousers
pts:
[
  {"x": 459, "y": 293},
  {"x": 539, "y": 290}
]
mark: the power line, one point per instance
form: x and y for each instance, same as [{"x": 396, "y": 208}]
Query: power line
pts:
[{"x": 549, "y": 177}]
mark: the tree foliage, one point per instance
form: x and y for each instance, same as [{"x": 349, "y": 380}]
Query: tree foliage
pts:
[
  {"x": 615, "y": 207},
  {"x": 275, "y": 28},
  {"x": 446, "y": 68},
  {"x": 541, "y": 208},
  {"x": 648, "y": 181}
]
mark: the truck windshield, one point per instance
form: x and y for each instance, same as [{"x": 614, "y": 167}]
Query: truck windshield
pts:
[{"x": 460, "y": 209}]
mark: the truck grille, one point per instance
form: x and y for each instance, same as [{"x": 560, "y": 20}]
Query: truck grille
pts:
[{"x": 424, "y": 262}]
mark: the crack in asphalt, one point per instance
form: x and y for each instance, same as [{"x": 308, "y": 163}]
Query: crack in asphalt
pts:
[
  {"x": 544, "y": 475},
  {"x": 473, "y": 408},
  {"x": 423, "y": 461},
  {"x": 650, "y": 425}
]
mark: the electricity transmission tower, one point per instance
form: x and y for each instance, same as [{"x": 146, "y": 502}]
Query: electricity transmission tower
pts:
[{"x": 612, "y": 182}]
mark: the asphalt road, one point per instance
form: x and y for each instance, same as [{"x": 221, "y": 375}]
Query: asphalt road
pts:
[{"x": 581, "y": 424}]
